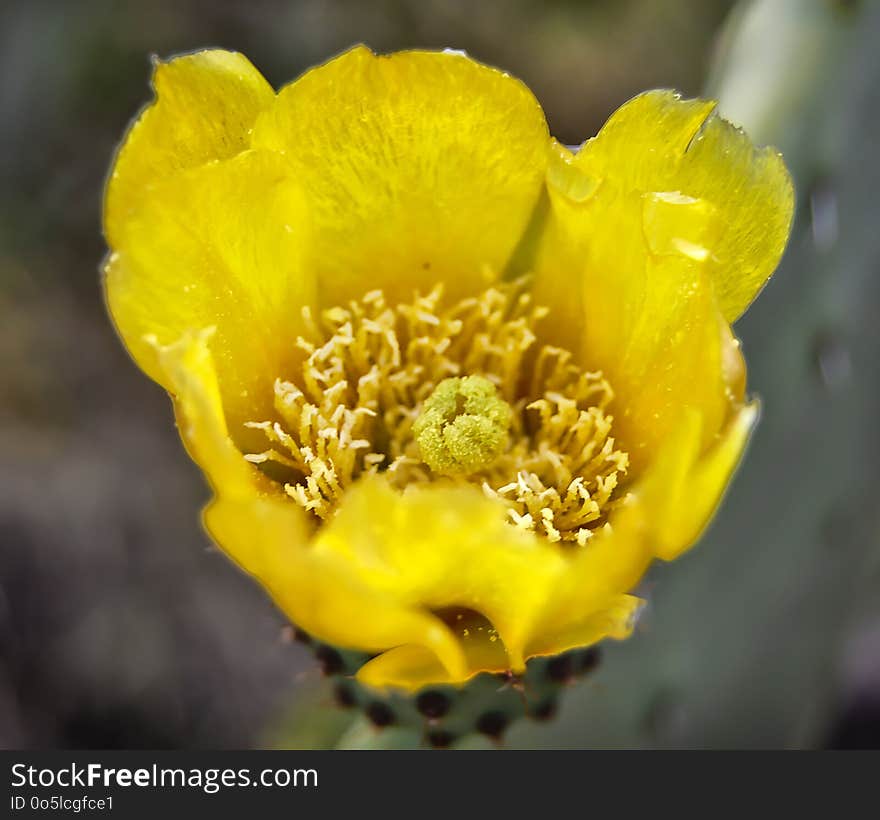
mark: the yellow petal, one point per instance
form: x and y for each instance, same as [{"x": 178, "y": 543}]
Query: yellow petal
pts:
[
  {"x": 266, "y": 535},
  {"x": 205, "y": 108},
  {"x": 660, "y": 143},
  {"x": 615, "y": 620},
  {"x": 667, "y": 223},
  {"x": 590, "y": 598},
  {"x": 572, "y": 604},
  {"x": 419, "y": 167},
  {"x": 413, "y": 667},
  {"x": 217, "y": 246},
  {"x": 439, "y": 547},
  {"x": 319, "y": 594},
  {"x": 705, "y": 486},
  {"x": 187, "y": 367},
  {"x": 644, "y": 314},
  {"x": 410, "y": 667}
]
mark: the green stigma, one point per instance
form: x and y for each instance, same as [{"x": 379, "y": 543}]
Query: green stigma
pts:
[{"x": 463, "y": 426}]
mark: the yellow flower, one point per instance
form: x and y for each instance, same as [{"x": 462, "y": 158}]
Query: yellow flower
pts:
[{"x": 454, "y": 385}]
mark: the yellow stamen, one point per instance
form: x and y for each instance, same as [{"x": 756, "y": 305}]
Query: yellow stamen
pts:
[{"x": 463, "y": 392}]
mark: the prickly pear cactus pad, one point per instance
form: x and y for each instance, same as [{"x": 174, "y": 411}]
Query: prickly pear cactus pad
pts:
[{"x": 454, "y": 385}]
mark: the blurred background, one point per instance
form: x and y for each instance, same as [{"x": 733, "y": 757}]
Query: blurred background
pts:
[{"x": 120, "y": 626}]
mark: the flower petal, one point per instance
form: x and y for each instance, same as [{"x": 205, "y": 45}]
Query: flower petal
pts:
[
  {"x": 647, "y": 318},
  {"x": 319, "y": 594},
  {"x": 419, "y": 167},
  {"x": 267, "y": 536},
  {"x": 616, "y": 620},
  {"x": 215, "y": 246},
  {"x": 706, "y": 483},
  {"x": 410, "y": 667},
  {"x": 205, "y": 108},
  {"x": 584, "y": 598},
  {"x": 660, "y": 143},
  {"x": 443, "y": 546},
  {"x": 614, "y": 560},
  {"x": 187, "y": 367},
  {"x": 591, "y": 596}
]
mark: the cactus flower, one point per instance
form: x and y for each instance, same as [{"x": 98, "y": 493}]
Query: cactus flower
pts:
[{"x": 454, "y": 385}]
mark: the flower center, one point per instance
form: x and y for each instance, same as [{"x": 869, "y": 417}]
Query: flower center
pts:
[
  {"x": 463, "y": 426},
  {"x": 462, "y": 392}
]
